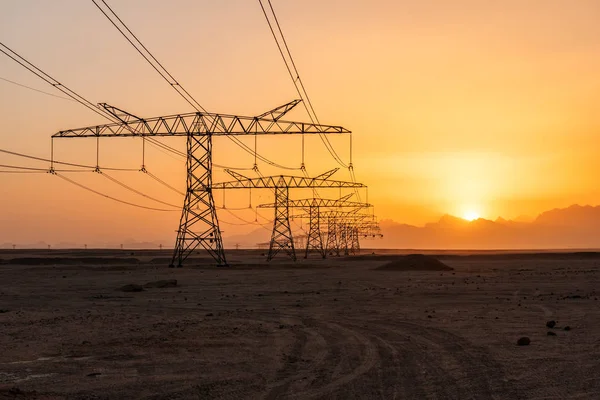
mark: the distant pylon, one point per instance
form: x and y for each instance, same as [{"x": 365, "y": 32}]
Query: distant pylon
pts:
[
  {"x": 332, "y": 243},
  {"x": 281, "y": 237},
  {"x": 345, "y": 237},
  {"x": 355, "y": 243},
  {"x": 314, "y": 240}
]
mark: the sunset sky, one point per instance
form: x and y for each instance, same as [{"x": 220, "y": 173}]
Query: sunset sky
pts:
[{"x": 455, "y": 106}]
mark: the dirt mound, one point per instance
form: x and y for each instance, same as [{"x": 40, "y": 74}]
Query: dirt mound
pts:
[{"x": 414, "y": 262}]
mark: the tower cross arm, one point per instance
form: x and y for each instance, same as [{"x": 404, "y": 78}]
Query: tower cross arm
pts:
[
  {"x": 198, "y": 123},
  {"x": 279, "y": 181},
  {"x": 319, "y": 202}
]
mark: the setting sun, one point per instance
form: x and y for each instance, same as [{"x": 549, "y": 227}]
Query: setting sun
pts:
[{"x": 470, "y": 215}]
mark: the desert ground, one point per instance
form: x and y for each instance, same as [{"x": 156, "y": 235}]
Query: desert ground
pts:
[{"x": 338, "y": 328}]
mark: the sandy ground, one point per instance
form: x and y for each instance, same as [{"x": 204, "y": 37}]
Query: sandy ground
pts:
[{"x": 332, "y": 329}]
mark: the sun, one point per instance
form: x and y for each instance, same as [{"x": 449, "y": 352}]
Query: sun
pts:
[{"x": 471, "y": 215}]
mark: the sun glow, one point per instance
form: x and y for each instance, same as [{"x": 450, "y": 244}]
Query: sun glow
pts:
[{"x": 470, "y": 215}]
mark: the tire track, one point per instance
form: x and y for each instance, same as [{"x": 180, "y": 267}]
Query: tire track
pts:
[{"x": 473, "y": 372}]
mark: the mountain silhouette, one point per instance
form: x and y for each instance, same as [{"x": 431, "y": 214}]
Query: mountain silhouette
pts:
[
  {"x": 572, "y": 216},
  {"x": 572, "y": 227}
]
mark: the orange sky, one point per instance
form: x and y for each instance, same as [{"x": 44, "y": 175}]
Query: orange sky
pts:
[{"x": 455, "y": 106}]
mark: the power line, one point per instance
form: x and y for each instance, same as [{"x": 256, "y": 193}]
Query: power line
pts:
[
  {"x": 72, "y": 94},
  {"x": 22, "y": 172},
  {"x": 165, "y": 184},
  {"x": 263, "y": 217},
  {"x": 301, "y": 89},
  {"x": 34, "y": 89},
  {"x": 33, "y": 169},
  {"x": 48, "y": 79},
  {"x": 232, "y": 223},
  {"x": 14, "y": 153},
  {"x": 296, "y": 79},
  {"x": 162, "y": 71},
  {"x": 293, "y": 63},
  {"x": 246, "y": 221},
  {"x": 123, "y": 185},
  {"x": 234, "y": 208},
  {"x": 110, "y": 197},
  {"x": 166, "y": 75}
]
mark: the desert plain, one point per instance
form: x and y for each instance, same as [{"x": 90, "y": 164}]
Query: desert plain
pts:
[{"x": 339, "y": 328}]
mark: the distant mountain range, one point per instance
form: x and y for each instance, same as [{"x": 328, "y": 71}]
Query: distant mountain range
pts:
[
  {"x": 576, "y": 227},
  {"x": 562, "y": 228}
]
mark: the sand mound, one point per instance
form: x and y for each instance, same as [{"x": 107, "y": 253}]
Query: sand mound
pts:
[{"x": 414, "y": 262}]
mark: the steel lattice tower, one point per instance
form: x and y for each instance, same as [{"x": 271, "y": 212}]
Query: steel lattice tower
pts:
[
  {"x": 332, "y": 237},
  {"x": 355, "y": 243},
  {"x": 281, "y": 237},
  {"x": 198, "y": 225},
  {"x": 314, "y": 240}
]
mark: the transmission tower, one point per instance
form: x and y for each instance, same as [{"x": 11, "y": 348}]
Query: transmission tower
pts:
[
  {"x": 345, "y": 229},
  {"x": 199, "y": 225},
  {"x": 314, "y": 240},
  {"x": 281, "y": 237},
  {"x": 314, "y": 206}
]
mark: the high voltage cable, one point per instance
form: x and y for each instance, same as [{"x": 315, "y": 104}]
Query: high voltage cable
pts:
[
  {"x": 164, "y": 146},
  {"x": 25, "y": 169},
  {"x": 165, "y": 152},
  {"x": 78, "y": 98},
  {"x": 232, "y": 223},
  {"x": 33, "y": 169},
  {"x": 22, "y": 172},
  {"x": 165, "y": 184},
  {"x": 306, "y": 99},
  {"x": 260, "y": 157},
  {"x": 247, "y": 222},
  {"x": 296, "y": 79},
  {"x": 110, "y": 197},
  {"x": 56, "y": 84},
  {"x": 162, "y": 71},
  {"x": 98, "y": 110},
  {"x": 293, "y": 63},
  {"x": 48, "y": 79},
  {"x": 123, "y": 185},
  {"x": 263, "y": 217},
  {"x": 67, "y": 91},
  {"x": 158, "y": 67},
  {"x": 34, "y": 89},
  {"x": 14, "y": 153},
  {"x": 235, "y": 208}
]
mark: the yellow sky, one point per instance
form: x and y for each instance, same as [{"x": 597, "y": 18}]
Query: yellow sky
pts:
[{"x": 455, "y": 106}]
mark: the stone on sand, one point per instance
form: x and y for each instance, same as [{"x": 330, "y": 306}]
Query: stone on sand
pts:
[
  {"x": 551, "y": 324},
  {"x": 524, "y": 341}
]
